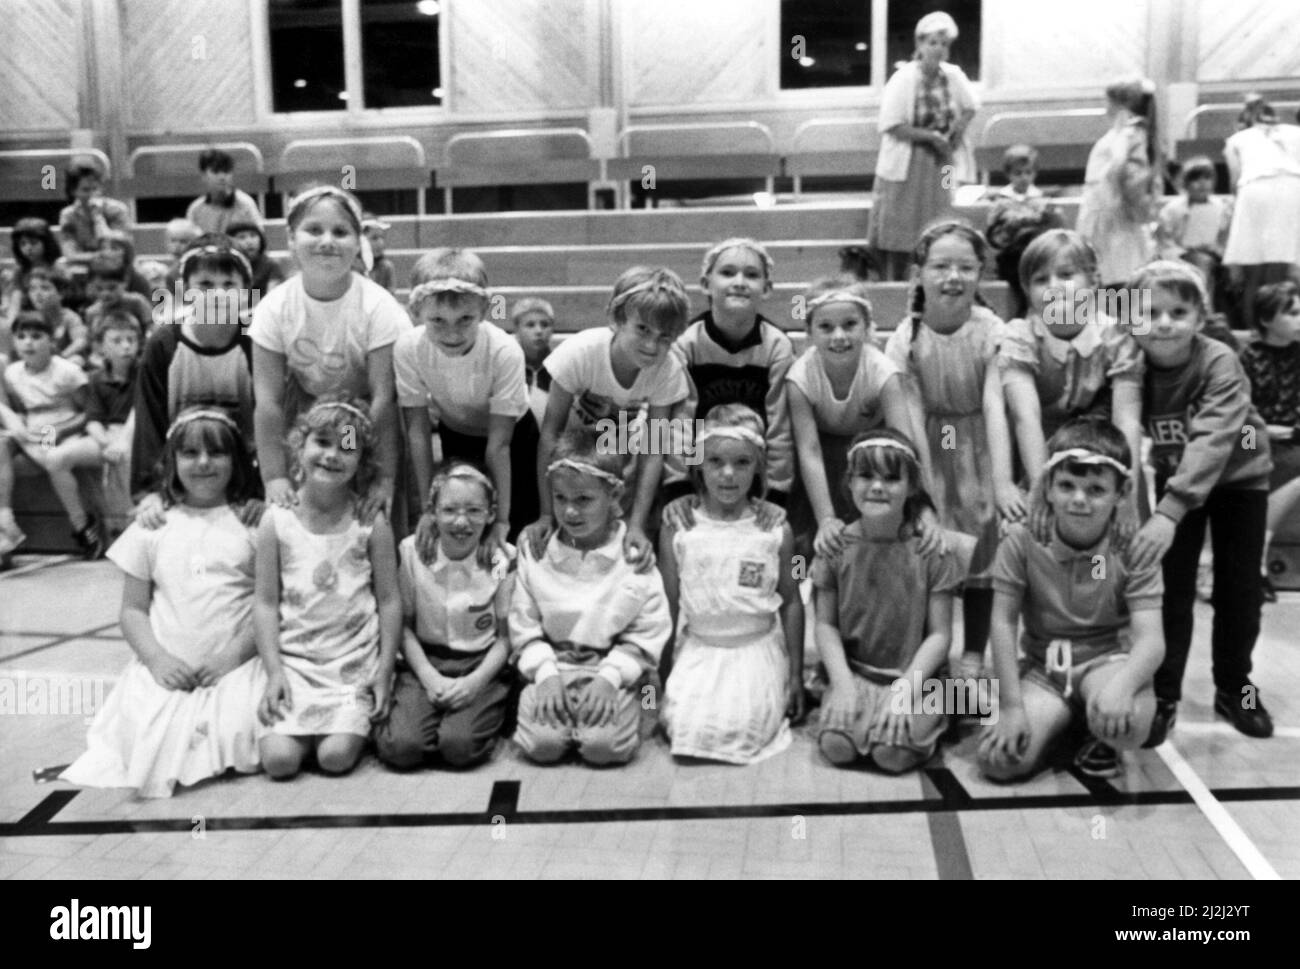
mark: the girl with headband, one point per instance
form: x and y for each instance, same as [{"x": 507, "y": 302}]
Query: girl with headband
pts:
[
  {"x": 184, "y": 708},
  {"x": 737, "y": 670},
  {"x": 326, "y": 331},
  {"x": 328, "y": 615},
  {"x": 884, "y": 613},
  {"x": 586, "y": 629}
]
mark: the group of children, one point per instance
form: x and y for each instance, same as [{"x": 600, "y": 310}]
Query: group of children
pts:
[{"x": 277, "y": 620}]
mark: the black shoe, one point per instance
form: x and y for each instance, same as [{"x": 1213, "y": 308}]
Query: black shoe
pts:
[
  {"x": 1098, "y": 759},
  {"x": 1253, "y": 721},
  {"x": 1270, "y": 593},
  {"x": 1162, "y": 722},
  {"x": 91, "y": 540}
]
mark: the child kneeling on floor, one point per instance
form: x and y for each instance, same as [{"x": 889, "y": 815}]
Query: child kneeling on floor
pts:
[
  {"x": 1092, "y": 629},
  {"x": 585, "y": 626}
]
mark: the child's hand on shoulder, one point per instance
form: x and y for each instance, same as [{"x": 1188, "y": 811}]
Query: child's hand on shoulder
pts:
[
  {"x": 637, "y": 551},
  {"x": 552, "y": 704},
  {"x": 1008, "y": 739},
  {"x": 1011, "y": 503},
  {"x": 931, "y": 540},
  {"x": 536, "y": 535},
  {"x": 276, "y": 700},
  {"x": 494, "y": 539},
  {"x": 171, "y": 672},
  {"x": 379, "y": 498},
  {"x": 598, "y": 702},
  {"x": 830, "y": 538},
  {"x": 151, "y": 513},
  {"x": 279, "y": 491},
  {"x": 768, "y": 515},
  {"x": 250, "y": 512},
  {"x": 679, "y": 514},
  {"x": 1152, "y": 541}
]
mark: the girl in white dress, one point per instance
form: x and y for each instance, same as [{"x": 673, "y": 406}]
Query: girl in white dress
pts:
[
  {"x": 185, "y": 706},
  {"x": 328, "y": 615},
  {"x": 737, "y": 671}
]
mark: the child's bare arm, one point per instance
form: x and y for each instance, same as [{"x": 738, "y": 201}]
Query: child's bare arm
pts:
[
  {"x": 1010, "y": 502},
  {"x": 383, "y": 412},
  {"x": 809, "y": 448},
  {"x": 933, "y": 652},
  {"x": 1002, "y": 641},
  {"x": 266, "y": 597},
  {"x": 558, "y": 405},
  {"x": 268, "y": 421},
  {"x": 497, "y": 458},
  {"x": 1027, "y": 417},
  {"x": 418, "y": 434},
  {"x": 792, "y": 617},
  {"x": 383, "y": 569},
  {"x": 1147, "y": 636}
]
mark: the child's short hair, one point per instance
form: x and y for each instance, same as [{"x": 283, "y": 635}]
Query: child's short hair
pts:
[
  {"x": 1017, "y": 156},
  {"x": 531, "y": 304},
  {"x": 577, "y": 448},
  {"x": 110, "y": 266},
  {"x": 749, "y": 245},
  {"x": 217, "y": 433},
  {"x": 32, "y": 320},
  {"x": 890, "y": 454},
  {"x": 1198, "y": 166},
  {"x": 183, "y": 228},
  {"x": 117, "y": 317},
  {"x": 56, "y": 278},
  {"x": 216, "y": 160},
  {"x": 1048, "y": 247},
  {"x": 348, "y": 418},
  {"x": 447, "y": 273},
  {"x": 1178, "y": 277},
  {"x": 38, "y": 229},
  {"x": 1081, "y": 441},
  {"x": 656, "y": 295},
  {"x": 837, "y": 289},
  {"x": 733, "y": 420},
  {"x": 215, "y": 253},
  {"x": 79, "y": 173},
  {"x": 1273, "y": 299}
]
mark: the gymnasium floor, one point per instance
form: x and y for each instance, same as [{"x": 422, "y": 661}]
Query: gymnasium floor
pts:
[{"x": 1209, "y": 804}]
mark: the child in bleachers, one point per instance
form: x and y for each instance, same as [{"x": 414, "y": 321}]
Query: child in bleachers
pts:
[
  {"x": 267, "y": 272},
  {"x": 109, "y": 407},
  {"x": 470, "y": 374},
  {"x": 184, "y": 709},
  {"x": 1092, "y": 638},
  {"x": 222, "y": 203},
  {"x": 205, "y": 359},
  {"x": 1067, "y": 357},
  {"x": 1194, "y": 226},
  {"x": 46, "y": 289},
  {"x": 533, "y": 320},
  {"x": 90, "y": 216},
  {"x": 180, "y": 235},
  {"x": 156, "y": 274},
  {"x": 1212, "y": 462},
  {"x": 841, "y": 386},
  {"x": 585, "y": 626},
  {"x": 738, "y": 663},
  {"x": 947, "y": 347},
  {"x": 33, "y": 245},
  {"x": 1272, "y": 363},
  {"x": 45, "y": 421},
  {"x": 327, "y": 613},
  {"x": 107, "y": 286},
  {"x": 381, "y": 267},
  {"x": 735, "y": 355},
  {"x": 1019, "y": 214},
  {"x": 449, "y": 701},
  {"x": 324, "y": 331},
  {"x": 121, "y": 243},
  {"x": 619, "y": 377},
  {"x": 884, "y": 612}
]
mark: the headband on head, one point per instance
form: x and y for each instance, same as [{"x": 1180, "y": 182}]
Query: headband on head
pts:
[
  {"x": 356, "y": 412},
  {"x": 445, "y": 284},
  {"x": 583, "y": 467},
  {"x": 654, "y": 282},
  {"x": 885, "y": 442},
  {"x": 189, "y": 255},
  {"x": 207, "y": 414},
  {"x": 840, "y": 296},
  {"x": 732, "y": 432},
  {"x": 469, "y": 473},
  {"x": 322, "y": 191},
  {"x": 1082, "y": 455}
]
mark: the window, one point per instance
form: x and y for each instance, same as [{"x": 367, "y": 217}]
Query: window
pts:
[
  {"x": 394, "y": 65},
  {"x": 836, "y": 43},
  {"x": 902, "y": 32}
]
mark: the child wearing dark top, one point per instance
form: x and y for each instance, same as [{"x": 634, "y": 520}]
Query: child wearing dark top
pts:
[
  {"x": 251, "y": 241},
  {"x": 1212, "y": 463},
  {"x": 109, "y": 413},
  {"x": 1273, "y": 365}
]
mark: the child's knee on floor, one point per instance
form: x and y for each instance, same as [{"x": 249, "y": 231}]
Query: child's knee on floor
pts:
[
  {"x": 339, "y": 753},
  {"x": 837, "y": 747},
  {"x": 397, "y": 750},
  {"x": 281, "y": 756},
  {"x": 604, "y": 745},
  {"x": 541, "y": 743},
  {"x": 463, "y": 750},
  {"x": 896, "y": 760}
]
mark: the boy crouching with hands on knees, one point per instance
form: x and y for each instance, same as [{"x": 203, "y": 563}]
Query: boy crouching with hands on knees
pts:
[{"x": 1093, "y": 637}]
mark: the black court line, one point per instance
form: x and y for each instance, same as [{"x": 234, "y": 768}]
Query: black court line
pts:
[
  {"x": 44, "y": 812},
  {"x": 61, "y": 640},
  {"x": 951, "y": 858},
  {"x": 1103, "y": 790},
  {"x": 610, "y": 815}
]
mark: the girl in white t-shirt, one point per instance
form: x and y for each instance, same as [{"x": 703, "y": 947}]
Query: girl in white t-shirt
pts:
[{"x": 327, "y": 331}]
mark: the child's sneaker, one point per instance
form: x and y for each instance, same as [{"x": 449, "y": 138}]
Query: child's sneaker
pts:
[
  {"x": 1098, "y": 759},
  {"x": 91, "y": 540},
  {"x": 1162, "y": 722}
]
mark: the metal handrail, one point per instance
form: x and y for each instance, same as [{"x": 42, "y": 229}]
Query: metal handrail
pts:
[
  {"x": 405, "y": 140},
  {"x": 1003, "y": 116},
  {"x": 507, "y": 134},
  {"x": 827, "y": 123},
  {"x": 762, "y": 129},
  {"x": 106, "y": 166},
  {"x": 1225, "y": 107},
  {"x": 244, "y": 146}
]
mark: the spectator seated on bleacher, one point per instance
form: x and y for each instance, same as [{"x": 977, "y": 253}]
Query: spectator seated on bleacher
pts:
[
  {"x": 222, "y": 203},
  {"x": 90, "y": 217}
]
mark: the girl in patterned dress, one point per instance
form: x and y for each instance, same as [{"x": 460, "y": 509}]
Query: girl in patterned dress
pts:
[
  {"x": 184, "y": 708},
  {"x": 328, "y": 615},
  {"x": 737, "y": 671},
  {"x": 948, "y": 349}
]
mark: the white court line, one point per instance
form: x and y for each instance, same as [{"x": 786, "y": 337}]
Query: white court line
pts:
[
  {"x": 1231, "y": 833},
  {"x": 36, "y": 566},
  {"x": 1229, "y": 731}
]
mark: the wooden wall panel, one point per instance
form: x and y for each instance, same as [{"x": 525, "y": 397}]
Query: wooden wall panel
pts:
[
  {"x": 187, "y": 64},
  {"x": 684, "y": 52},
  {"x": 523, "y": 55},
  {"x": 39, "y": 65},
  {"x": 1239, "y": 40},
  {"x": 1035, "y": 46}
]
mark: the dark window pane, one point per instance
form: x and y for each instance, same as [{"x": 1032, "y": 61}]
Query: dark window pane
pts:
[
  {"x": 836, "y": 47},
  {"x": 307, "y": 55},
  {"x": 902, "y": 31},
  {"x": 399, "y": 53}
]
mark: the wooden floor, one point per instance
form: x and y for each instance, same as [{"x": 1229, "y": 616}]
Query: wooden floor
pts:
[{"x": 1208, "y": 804}]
